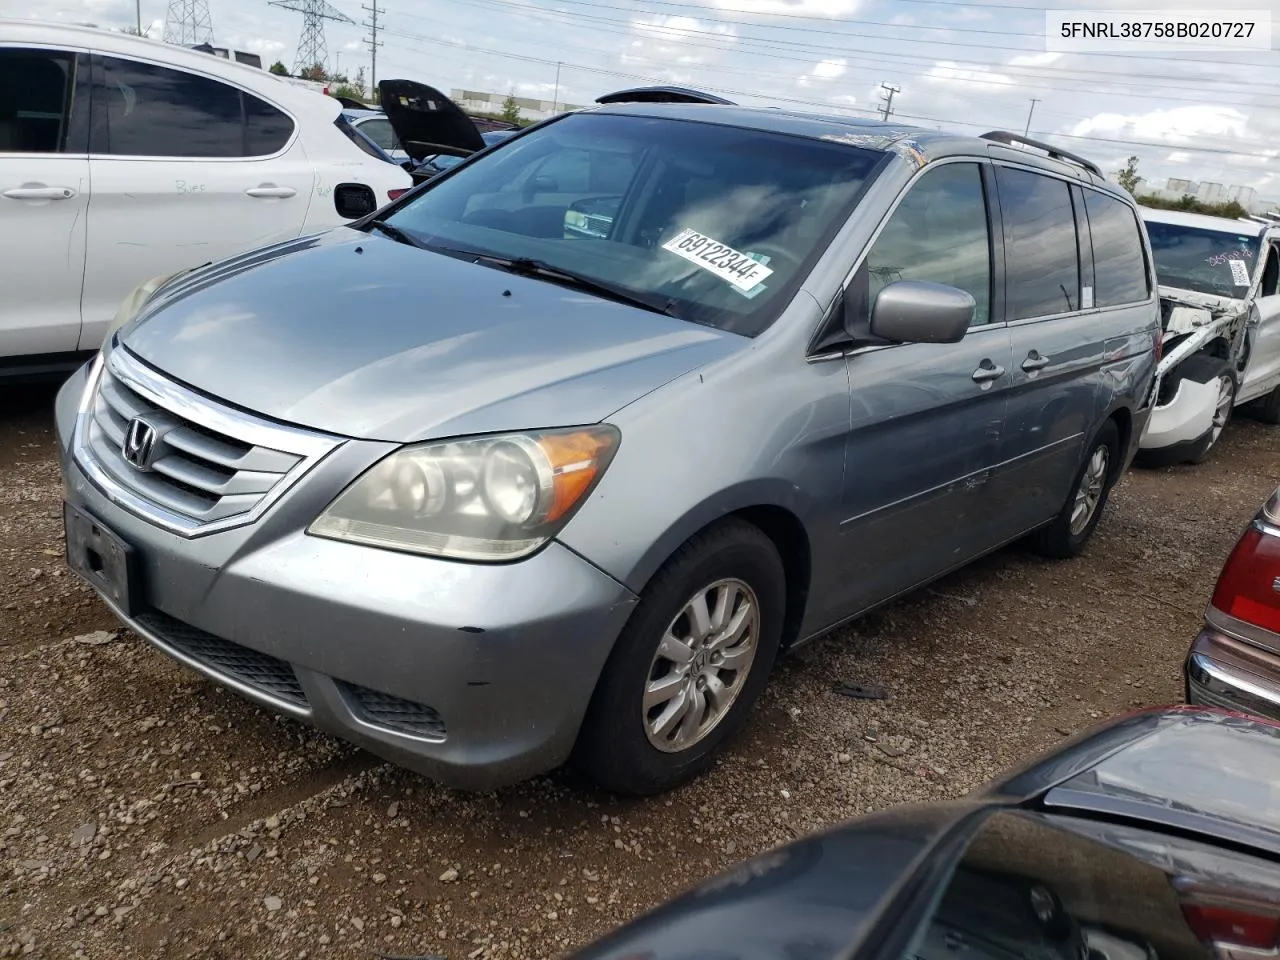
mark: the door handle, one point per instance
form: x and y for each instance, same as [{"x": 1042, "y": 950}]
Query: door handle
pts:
[
  {"x": 987, "y": 372},
  {"x": 40, "y": 193},
  {"x": 270, "y": 191},
  {"x": 1034, "y": 362}
]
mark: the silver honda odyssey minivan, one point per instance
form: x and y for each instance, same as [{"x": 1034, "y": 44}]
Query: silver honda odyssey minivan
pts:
[{"x": 549, "y": 460}]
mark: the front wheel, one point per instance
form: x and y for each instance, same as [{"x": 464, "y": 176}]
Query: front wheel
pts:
[
  {"x": 1071, "y": 529},
  {"x": 689, "y": 664},
  {"x": 1269, "y": 407}
]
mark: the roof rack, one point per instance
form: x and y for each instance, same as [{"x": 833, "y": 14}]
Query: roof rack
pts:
[{"x": 1003, "y": 136}]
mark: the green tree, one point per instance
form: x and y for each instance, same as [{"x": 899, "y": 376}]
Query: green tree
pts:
[
  {"x": 1128, "y": 177},
  {"x": 511, "y": 109},
  {"x": 314, "y": 72},
  {"x": 279, "y": 69}
]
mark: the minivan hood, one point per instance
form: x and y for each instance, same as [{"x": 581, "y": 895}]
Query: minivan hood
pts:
[{"x": 358, "y": 335}]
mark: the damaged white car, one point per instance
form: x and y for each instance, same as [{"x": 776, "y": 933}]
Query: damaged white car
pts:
[{"x": 1220, "y": 309}]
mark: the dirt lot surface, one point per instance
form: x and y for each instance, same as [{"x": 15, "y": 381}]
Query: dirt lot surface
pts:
[{"x": 145, "y": 812}]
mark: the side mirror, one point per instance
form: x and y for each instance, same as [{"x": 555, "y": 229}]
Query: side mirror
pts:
[{"x": 917, "y": 311}]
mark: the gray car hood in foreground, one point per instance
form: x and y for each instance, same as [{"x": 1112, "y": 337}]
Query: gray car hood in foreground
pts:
[{"x": 359, "y": 335}]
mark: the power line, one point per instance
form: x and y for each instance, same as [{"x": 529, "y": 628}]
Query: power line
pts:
[
  {"x": 373, "y": 43},
  {"x": 418, "y": 38},
  {"x": 1051, "y": 78},
  {"x": 699, "y": 11}
]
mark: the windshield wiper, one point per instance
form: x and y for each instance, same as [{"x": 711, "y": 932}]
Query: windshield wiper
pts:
[
  {"x": 528, "y": 267},
  {"x": 395, "y": 233}
]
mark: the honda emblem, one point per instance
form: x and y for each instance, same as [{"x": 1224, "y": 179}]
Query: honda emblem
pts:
[{"x": 139, "y": 444}]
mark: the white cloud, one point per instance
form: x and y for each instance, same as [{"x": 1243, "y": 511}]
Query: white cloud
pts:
[
  {"x": 1175, "y": 126},
  {"x": 824, "y": 71},
  {"x": 663, "y": 41},
  {"x": 805, "y": 8},
  {"x": 1034, "y": 59},
  {"x": 946, "y": 72}
]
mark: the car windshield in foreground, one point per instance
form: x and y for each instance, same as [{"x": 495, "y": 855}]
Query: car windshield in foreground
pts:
[
  {"x": 716, "y": 224},
  {"x": 1215, "y": 262}
]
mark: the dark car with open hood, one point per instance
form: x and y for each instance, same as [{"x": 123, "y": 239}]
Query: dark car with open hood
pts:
[{"x": 1153, "y": 837}]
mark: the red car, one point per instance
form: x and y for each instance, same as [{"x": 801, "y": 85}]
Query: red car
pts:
[{"x": 1235, "y": 662}]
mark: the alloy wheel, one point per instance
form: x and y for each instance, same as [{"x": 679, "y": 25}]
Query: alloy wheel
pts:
[
  {"x": 1089, "y": 494},
  {"x": 701, "y": 665}
]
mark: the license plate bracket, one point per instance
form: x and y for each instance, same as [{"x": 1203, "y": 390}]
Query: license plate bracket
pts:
[{"x": 101, "y": 558}]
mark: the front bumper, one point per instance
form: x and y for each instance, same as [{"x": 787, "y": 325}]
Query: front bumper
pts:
[
  {"x": 1222, "y": 671},
  {"x": 476, "y": 675},
  {"x": 1184, "y": 419}
]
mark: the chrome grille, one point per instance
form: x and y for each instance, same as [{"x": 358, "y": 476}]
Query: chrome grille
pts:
[
  {"x": 264, "y": 673},
  {"x": 206, "y": 467},
  {"x": 393, "y": 713}
]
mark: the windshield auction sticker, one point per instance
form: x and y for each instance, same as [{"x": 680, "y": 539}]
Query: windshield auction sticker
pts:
[
  {"x": 715, "y": 257},
  {"x": 1239, "y": 273}
]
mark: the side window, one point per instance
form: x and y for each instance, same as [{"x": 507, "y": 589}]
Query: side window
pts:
[
  {"x": 1271, "y": 272},
  {"x": 153, "y": 111},
  {"x": 938, "y": 233},
  {"x": 380, "y": 132},
  {"x": 1119, "y": 265},
  {"x": 35, "y": 100},
  {"x": 1042, "y": 262},
  {"x": 266, "y": 129}
]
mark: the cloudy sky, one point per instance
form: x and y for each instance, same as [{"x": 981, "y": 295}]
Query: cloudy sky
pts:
[{"x": 971, "y": 66}]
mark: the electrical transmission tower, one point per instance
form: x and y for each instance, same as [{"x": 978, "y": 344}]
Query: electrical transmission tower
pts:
[
  {"x": 313, "y": 51},
  {"x": 187, "y": 22},
  {"x": 373, "y": 43}
]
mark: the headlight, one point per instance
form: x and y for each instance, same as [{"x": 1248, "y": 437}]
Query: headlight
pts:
[
  {"x": 488, "y": 498},
  {"x": 132, "y": 305}
]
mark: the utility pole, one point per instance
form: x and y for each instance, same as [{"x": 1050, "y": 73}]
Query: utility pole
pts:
[
  {"x": 373, "y": 43},
  {"x": 888, "y": 90},
  {"x": 1027, "y": 131},
  {"x": 137, "y": 7},
  {"x": 555, "y": 98}
]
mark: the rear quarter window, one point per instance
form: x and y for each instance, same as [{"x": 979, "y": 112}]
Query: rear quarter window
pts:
[{"x": 1119, "y": 264}]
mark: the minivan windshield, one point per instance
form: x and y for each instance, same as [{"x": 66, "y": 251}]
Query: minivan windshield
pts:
[
  {"x": 1215, "y": 262},
  {"x": 710, "y": 223}
]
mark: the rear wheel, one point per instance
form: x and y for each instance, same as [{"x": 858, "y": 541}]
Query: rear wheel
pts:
[
  {"x": 689, "y": 664},
  {"x": 1269, "y": 407},
  {"x": 1071, "y": 529}
]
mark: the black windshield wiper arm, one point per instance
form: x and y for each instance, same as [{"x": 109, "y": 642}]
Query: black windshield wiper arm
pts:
[
  {"x": 395, "y": 233},
  {"x": 526, "y": 266}
]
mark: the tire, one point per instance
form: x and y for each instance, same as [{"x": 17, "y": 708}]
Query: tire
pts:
[
  {"x": 617, "y": 746},
  {"x": 1063, "y": 538},
  {"x": 1201, "y": 368},
  {"x": 1269, "y": 407}
]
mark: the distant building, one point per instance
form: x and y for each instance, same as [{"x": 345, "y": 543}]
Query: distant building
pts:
[
  {"x": 475, "y": 101},
  {"x": 1211, "y": 193},
  {"x": 1245, "y": 196}
]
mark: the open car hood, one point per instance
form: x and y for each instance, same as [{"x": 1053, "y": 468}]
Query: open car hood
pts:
[
  {"x": 662, "y": 95},
  {"x": 425, "y": 120}
]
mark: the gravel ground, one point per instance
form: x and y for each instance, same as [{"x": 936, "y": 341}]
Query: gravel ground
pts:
[{"x": 145, "y": 812}]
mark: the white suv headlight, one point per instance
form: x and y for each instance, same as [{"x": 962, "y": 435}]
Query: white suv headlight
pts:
[{"x": 488, "y": 498}]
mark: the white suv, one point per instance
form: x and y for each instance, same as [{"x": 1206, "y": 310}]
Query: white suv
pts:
[{"x": 123, "y": 158}]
